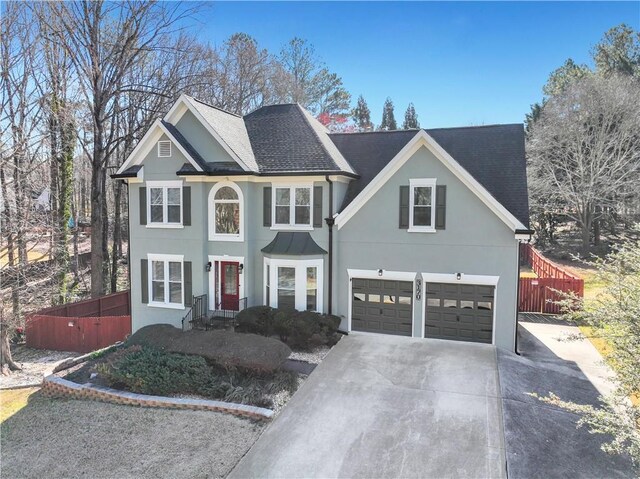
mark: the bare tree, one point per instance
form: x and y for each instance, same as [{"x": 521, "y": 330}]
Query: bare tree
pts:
[
  {"x": 105, "y": 41},
  {"x": 584, "y": 150},
  {"x": 20, "y": 144}
]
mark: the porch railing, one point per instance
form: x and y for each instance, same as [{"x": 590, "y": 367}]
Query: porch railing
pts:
[{"x": 199, "y": 316}]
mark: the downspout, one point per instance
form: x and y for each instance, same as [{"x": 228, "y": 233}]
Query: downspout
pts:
[
  {"x": 517, "y": 295},
  {"x": 330, "y": 222}
]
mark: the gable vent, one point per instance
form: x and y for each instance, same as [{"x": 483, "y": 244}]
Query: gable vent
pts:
[{"x": 164, "y": 149}]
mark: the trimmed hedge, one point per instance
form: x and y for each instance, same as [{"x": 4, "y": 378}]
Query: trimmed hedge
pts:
[
  {"x": 223, "y": 348},
  {"x": 299, "y": 329},
  {"x": 147, "y": 370}
]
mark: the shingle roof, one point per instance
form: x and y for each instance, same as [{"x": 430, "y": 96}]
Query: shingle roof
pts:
[
  {"x": 185, "y": 144},
  {"x": 231, "y": 129},
  {"x": 285, "y": 140},
  {"x": 493, "y": 155}
]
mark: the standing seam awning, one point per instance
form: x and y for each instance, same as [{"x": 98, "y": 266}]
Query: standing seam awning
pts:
[{"x": 297, "y": 243}]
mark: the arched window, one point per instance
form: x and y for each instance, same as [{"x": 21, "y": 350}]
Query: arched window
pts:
[{"x": 225, "y": 213}]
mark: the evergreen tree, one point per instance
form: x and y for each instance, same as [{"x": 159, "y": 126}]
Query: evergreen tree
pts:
[
  {"x": 410, "y": 118},
  {"x": 362, "y": 115},
  {"x": 388, "y": 118}
]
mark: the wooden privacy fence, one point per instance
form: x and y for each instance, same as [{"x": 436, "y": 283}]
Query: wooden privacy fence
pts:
[
  {"x": 537, "y": 294},
  {"x": 81, "y": 327}
]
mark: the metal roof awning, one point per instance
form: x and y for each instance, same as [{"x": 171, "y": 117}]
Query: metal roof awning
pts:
[{"x": 294, "y": 243}]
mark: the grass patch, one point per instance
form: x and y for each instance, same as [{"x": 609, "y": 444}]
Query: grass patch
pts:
[{"x": 12, "y": 400}]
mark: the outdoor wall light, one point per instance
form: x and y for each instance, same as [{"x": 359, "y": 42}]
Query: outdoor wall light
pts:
[
  {"x": 458, "y": 276},
  {"x": 241, "y": 267},
  {"x": 380, "y": 272},
  {"x": 208, "y": 266}
]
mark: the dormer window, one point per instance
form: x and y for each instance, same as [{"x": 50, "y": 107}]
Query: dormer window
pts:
[{"x": 164, "y": 149}]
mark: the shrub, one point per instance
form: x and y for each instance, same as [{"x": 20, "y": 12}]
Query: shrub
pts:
[
  {"x": 151, "y": 371},
  {"x": 223, "y": 348},
  {"x": 147, "y": 370},
  {"x": 299, "y": 329},
  {"x": 256, "y": 320}
]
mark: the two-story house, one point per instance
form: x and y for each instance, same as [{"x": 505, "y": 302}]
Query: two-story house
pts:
[{"x": 410, "y": 232}]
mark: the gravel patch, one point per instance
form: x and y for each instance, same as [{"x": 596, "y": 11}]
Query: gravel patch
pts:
[
  {"x": 35, "y": 363},
  {"x": 314, "y": 357},
  {"x": 68, "y": 438}
]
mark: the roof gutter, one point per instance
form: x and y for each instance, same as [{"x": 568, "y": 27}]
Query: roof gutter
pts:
[{"x": 278, "y": 173}]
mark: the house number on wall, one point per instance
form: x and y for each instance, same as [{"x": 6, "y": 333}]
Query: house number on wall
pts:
[{"x": 418, "y": 292}]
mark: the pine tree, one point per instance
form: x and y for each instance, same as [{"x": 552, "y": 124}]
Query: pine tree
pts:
[
  {"x": 362, "y": 115},
  {"x": 388, "y": 118},
  {"x": 410, "y": 118}
]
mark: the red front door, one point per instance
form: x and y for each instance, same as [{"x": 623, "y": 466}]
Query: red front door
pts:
[{"x": 229, "y": 290}]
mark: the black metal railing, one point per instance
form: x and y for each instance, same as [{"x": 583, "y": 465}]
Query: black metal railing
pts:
[
  {"x": 228, "y": 310},
  {"x": 199, "y": 316}
]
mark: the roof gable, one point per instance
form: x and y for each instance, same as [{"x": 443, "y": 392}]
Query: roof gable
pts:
[
  {"x": 150, "y": 139},
  {"x": 226, "y": 128},
  {"x": 375, "y": 173}
]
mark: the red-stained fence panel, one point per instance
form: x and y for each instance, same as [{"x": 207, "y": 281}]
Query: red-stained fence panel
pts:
[{"x": 81, "y": 327}]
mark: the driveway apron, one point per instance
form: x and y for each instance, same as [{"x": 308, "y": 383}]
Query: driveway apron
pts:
[{"x": 386, "y": 406}]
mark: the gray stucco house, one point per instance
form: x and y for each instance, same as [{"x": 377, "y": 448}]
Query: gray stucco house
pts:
[{"x": 410, "y": 232}]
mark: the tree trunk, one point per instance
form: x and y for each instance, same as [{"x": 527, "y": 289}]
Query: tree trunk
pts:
[
  {"x": 97, "y": 226},
  {"x": 586, "y": 217},
  {"x": 6, "y": 360}
]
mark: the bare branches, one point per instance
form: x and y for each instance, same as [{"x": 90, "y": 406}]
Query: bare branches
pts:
[{"x": 584, "y": 151}]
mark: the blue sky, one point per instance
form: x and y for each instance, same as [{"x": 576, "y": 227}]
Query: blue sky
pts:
[{"x": 459, "y": 63}]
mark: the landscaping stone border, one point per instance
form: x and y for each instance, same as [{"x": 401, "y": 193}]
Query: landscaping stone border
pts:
[{"x": 53, "y": 386}]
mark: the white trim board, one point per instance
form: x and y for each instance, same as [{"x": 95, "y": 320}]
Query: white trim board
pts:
[
  {"x": 145, "y": 145},
  {"x": 422, "y": 138}
]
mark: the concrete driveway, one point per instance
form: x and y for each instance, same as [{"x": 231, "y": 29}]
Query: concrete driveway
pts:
[
  {"x": 542, "y": 440},
  {"x": 385, "y": 406}
]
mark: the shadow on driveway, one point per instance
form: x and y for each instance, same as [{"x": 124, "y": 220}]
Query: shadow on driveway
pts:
[{"x": 541, "y": 439}]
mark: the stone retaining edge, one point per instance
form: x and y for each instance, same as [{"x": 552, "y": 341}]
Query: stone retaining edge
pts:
[
  {"x": 69, "y": 363},
  {"x": 53, "y": 386}
]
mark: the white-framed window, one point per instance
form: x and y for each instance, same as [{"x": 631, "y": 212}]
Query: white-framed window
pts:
[
  {"x": 166, "y": 280},
  {"x": 226, "y": 212},
  {"x": 294, "y": 284},
  {"x": 422, "y": 205},
  {"x": 292, "y": 206},
  {"x": 164, "y": 204},
  {"x": 164, "y": 149}
]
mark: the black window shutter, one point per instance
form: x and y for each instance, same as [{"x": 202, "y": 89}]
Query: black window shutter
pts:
[
  {"x": 143, "y": 205},
  {"x": 188, "y": 289},
  {"x": 404, "y": 207},
  {"x": 144, "y": 280},
  {"x": 441, "y": 206},
  {"x": 186, "y": 205},
  {"x": 317, "y": 206},
  {"x": 266, "y": 206}
]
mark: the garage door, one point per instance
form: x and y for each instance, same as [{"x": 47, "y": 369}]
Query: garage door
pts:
[
  {"x": 459, "y": 311},
  {"x": 380, "y": 306}
]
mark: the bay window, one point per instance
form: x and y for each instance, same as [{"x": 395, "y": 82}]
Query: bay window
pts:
[{"x": 293, "y": 284}]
